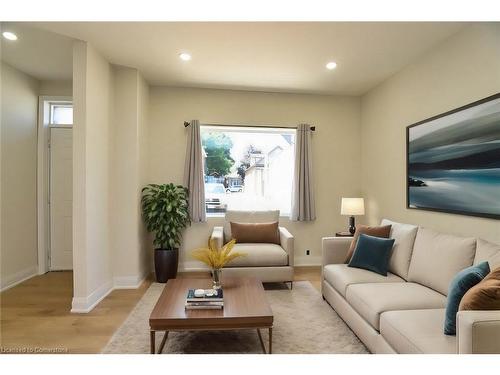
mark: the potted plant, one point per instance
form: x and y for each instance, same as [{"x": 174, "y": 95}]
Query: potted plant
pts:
[
  {"x": 165, "y": 211},
  {"x": 216, "y": 258}
]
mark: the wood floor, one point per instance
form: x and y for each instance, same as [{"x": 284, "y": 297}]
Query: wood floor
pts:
[{"x": 35, "y": 315}]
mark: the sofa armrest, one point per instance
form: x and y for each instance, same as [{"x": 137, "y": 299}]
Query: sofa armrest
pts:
[
  {"x": 286, "y": 241},
  {"x": 218, "y": 236},
  {"x": 478, "y": 331},
  {"x": 334, "y": 249}
]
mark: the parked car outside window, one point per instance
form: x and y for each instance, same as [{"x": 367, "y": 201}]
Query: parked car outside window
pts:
[
  {"x": 215, "y": 197},
  {"x": 234, "y": 189}
]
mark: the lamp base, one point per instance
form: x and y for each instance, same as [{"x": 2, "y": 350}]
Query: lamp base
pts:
[{"x": 352, "y": 227}]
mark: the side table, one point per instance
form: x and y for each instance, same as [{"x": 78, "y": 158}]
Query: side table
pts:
[{"x": 343, "y": 234}]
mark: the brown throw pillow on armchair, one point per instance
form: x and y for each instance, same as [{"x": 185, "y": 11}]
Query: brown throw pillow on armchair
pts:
[
  {"x": 485, "y": 295},
  {"x": 255, "y": 232},
  {"x": 382, "y": 231}
]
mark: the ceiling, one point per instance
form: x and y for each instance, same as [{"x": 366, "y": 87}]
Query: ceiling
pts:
[
  {"x": 265, "y": 56},
  {"x": 41, "y": 54}
]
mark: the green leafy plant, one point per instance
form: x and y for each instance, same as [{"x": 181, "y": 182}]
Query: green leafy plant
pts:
[{"x": 165, "y": 211}]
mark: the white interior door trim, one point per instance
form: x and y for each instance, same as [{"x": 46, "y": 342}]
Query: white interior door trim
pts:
[{"x": 42, "y": 193}]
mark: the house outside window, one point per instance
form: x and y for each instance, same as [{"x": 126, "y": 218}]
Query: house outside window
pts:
[{"x": 248, "y": 168}]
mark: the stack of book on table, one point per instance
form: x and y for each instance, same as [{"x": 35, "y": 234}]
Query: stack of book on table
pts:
[{"x": 211, "y": 299}]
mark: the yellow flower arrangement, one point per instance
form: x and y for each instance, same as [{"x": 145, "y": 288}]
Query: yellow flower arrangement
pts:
[{"x": 214, "y": 257}]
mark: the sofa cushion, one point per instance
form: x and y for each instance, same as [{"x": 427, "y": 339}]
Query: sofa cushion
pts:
[
  {"x": 438, "y": 257},
  {"x": 340, "y": 276},
  {"x": 404, "y": 239},
  {"x": 417, "y": 331},
  {"x": 259, "y": 255},
  {"x": 255, "y": 232},
  {"x": 371, "y": 300},
  {"x": 487, "y": 251},
  {"x": 372, "y": 253},
  {"x": 248, "y": 217}
]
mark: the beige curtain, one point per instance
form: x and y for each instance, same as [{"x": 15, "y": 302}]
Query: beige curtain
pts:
[
  {"x": 303, "y": 208},
  {"x": 193, "y": 174}
]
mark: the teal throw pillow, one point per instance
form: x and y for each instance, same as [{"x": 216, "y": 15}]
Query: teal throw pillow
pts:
[
  {"x": 372, "y": 253},
  {"x": 461, "y": 283}
]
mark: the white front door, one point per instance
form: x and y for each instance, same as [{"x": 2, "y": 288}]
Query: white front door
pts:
[{"x": 61, "y": 199}]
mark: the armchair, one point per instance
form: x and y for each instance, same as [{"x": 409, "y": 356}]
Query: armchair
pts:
[{"x": 267, "y": 262}]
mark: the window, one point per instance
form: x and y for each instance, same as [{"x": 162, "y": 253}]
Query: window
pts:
[
  {"x": 247, "y": 168},
  {"x": 61, "y": 113}
]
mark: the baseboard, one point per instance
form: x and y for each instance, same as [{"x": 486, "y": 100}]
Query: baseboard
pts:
[
  {"x": 82, "y": 305},
  {"x": 307, "y": 261},
  {"x": 192, "y": 269},
  {"x": 18, "y": 277},
  {"x": 128, "y": 282}
]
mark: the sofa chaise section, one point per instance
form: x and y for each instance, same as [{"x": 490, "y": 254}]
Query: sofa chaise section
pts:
[{"x": 404, "y": 312}]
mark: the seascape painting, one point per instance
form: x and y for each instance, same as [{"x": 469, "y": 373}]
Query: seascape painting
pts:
[{"x": 453, "y": 161}]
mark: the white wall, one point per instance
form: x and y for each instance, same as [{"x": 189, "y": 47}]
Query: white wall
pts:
[
  {"x": 56, "y": 88},
  {"x": 336, "y": 150},
  {"x": 93, "y": 111},
  {"x": 462, "y": 70},
  {"x": 128, "y": 153},
  {"x": 145, "y": 253},
  {"x": 19, "y": 102}
]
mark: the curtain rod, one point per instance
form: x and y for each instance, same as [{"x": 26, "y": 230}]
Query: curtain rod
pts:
[{"x": 313, "y": 128}]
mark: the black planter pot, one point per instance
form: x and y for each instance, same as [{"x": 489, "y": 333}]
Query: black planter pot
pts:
[{"x": 166, "y": 262}]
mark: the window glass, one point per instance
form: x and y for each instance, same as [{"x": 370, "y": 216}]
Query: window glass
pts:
[
  {"x": 61, "y": 114},
  {"x": 247, "y": 168}
]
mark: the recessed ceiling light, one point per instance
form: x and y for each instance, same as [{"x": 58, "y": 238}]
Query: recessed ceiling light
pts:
[
  {"x": 9, "y": 35},
  {"x": 331, "y": 65},
  {"x": 185, "y": 56}
]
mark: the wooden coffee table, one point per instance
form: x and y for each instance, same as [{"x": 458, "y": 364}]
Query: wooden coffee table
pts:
[{"x": 245, "y": 307}]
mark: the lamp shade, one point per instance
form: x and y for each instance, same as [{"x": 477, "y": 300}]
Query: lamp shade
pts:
[{"x": 352, "y": 206}]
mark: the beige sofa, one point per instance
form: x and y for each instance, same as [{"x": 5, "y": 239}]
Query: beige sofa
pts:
[
  {"x": 268, "y": 262},
  {"x": 404, "y": 312}
]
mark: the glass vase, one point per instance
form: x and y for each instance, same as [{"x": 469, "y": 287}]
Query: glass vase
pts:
[{"x": 216, "y": 277}]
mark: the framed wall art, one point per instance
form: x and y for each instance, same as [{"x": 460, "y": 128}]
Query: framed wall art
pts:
[{"x": 453, "y": 161}]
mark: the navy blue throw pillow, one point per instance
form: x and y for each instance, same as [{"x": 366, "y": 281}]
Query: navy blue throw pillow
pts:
[
  {"x": 461, "y": 283},
  {"x": 372, "y": 253}
]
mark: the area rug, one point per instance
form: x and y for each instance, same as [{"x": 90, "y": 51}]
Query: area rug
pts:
[{"x": 303, "y": 323}]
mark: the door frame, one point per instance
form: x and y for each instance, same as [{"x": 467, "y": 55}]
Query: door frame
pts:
[{"x": 43, "y": 179}]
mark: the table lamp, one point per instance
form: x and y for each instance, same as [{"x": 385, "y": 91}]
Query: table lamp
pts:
[{"x": 351, "y": 207}]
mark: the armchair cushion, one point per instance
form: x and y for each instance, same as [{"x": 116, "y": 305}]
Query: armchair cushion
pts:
[
  {"x": 255, "y": 232},
  {"x": 259, "y": 255}
]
